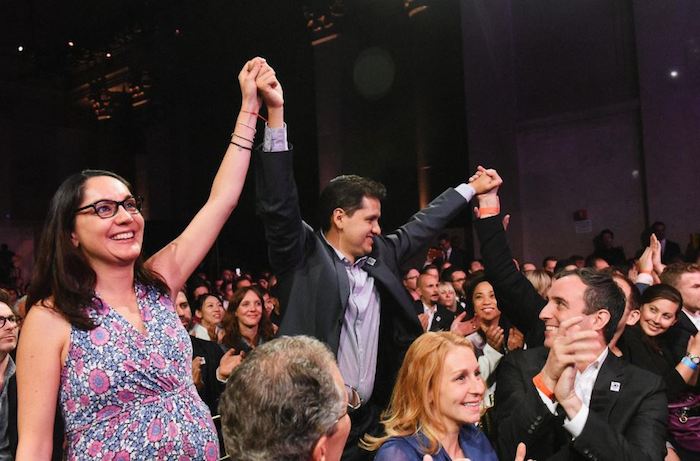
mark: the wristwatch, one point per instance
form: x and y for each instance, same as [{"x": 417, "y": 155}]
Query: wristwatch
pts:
[{"x": 693, "y": 358}]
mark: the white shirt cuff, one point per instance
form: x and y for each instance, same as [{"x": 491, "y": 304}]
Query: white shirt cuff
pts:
[
  {"x": 575, "y": 426},
  {"x": 646, "y": 279},
  {"x": 466, "y": 191}
]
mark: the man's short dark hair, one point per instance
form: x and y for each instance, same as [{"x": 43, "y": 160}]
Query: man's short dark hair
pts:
[
  {"x": 673, "y": 272},
  {"x": 601, "y": 293},
  {"x": 347, "y": 192},
  {"x": 280, "y": 401},
  {"x": 4, "y": 296},
  {"x": 548, "y": 258}
]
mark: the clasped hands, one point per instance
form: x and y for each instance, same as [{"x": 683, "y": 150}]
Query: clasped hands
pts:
[{"x": 573, "y": 348}]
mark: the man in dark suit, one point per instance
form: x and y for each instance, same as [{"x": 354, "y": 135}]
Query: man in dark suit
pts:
[
  {"x": 432, "y": 315},
  {"x": 684, "y": 277},
  {"x": 670, "y": 250},
  {"x": 9, "y": 323},
  {"x": 342, "y": 284},
  {"x": 574, "y": 399},
  {"x": 454, "y": 256}
]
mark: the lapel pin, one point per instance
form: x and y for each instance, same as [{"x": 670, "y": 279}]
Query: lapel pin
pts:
[
  {"x": 614, "y": 386},
  {"x": 371, "y": 261}
]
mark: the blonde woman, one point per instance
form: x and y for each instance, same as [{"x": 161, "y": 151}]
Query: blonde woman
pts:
[{"x": 435, "y": 404}]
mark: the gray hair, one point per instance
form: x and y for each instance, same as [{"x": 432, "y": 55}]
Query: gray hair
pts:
[{"x": 280, "y": 400}]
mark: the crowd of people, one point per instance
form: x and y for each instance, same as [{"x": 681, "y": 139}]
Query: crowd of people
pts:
[{"x": 341, "y": 350}]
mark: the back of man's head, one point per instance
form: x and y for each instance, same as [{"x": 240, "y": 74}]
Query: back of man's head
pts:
[
  {"x": 280, "y": 401},
  {"x": 346, "y": 192},
  {"x": 601, "y": 293}
]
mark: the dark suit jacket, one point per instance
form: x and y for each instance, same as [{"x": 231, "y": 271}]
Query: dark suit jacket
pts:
[
  {"x": 629, "y": 424},
  {"x": 517, "y": 298},
  {"x": 313, "y": 285},
  {"x": 12, "y": 432},
  {"x": 442, "y": 320},
  {"x": 639, "y": 351},
  {"x": 212, "y": 388},
  {"x": 671, "y": 253},
  {"x": 457, "y": 259}
]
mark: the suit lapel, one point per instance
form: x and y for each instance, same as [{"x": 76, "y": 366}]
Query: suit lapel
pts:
[
  {"x": 380, "y": 272},
  {"x": 608, "y": 386},
  {"x": 340, "y": 273}
]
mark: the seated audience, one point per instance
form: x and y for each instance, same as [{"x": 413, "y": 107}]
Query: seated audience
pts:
[
  {"x": 494, "y": 336},
  {"x": 244, "y": 325},
  {"x": 410, "y": 282},
  {"x": 208, "y": 311},
  {"x": 541, "y": 280},
  {"x": 432, "y": 316},
  {"x": 604, "y": 248},
  {"x": 286, "y": 401},
  {"x": 548, "y": 263},
  {"x": 8, "y": 386},
  {"x": 210, "y": 366},
  {"x": 447, "y": 297},
  {"x": 435, "y": 404},
  {"x": 647, "y": 346},
  {"x": 573, "y": 399}
]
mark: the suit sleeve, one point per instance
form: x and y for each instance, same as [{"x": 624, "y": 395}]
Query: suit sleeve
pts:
[
  {"x": 519, "y": 413},
  {"x": 423, "y": 226},
  {"x": 517, "y": 298},
  {"x": 278, "y": 207},
  {"x": 644, "y": 438}
]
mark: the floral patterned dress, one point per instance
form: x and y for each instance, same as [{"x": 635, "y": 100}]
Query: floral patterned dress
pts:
[{"x": 130, "y": 396}]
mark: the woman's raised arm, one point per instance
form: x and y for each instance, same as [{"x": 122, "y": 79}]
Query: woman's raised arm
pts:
[{"x": 180, "y": 257}]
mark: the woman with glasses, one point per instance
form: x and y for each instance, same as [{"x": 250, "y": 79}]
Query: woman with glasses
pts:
[
  {"x": 102, "y": 337},
  {"x": 435, "y": 404}
]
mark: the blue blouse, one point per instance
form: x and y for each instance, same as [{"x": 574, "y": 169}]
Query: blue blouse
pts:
[{"x": 474, "y": 443}]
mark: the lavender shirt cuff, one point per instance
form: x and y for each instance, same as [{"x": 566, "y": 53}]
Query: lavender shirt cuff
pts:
[{"x": 275, "y": 139}]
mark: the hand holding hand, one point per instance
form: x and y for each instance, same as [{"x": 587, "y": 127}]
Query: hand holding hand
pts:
[
  {"x": 229, "y": 362},
  {"x": 249, "y": 89},
  {"x": 485, "y": 181},
  {"x": 269, "y": 87}
]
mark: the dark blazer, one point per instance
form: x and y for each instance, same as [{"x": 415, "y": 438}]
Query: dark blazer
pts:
[
  {"x": 442, "y": 320},
  {"x": 313, "y": 285},
  {"x": 672, "y": 253},
  {"x": 517, "y": 298},
  {"x": 12, "y": 431},
  {"x": 212, "y": 388},
  {"x": 639, "y": 351},
  {"x": 457, "y": 258},
  {"x": 627, "y": 424}
]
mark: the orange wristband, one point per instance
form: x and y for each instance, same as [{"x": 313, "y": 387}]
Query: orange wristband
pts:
[
  {"x": 494, "y": 210},
  {"x": 542, "y": 387}
]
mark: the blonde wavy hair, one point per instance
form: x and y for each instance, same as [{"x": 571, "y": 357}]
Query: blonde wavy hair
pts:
[{"x": 412, "y": 407}]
